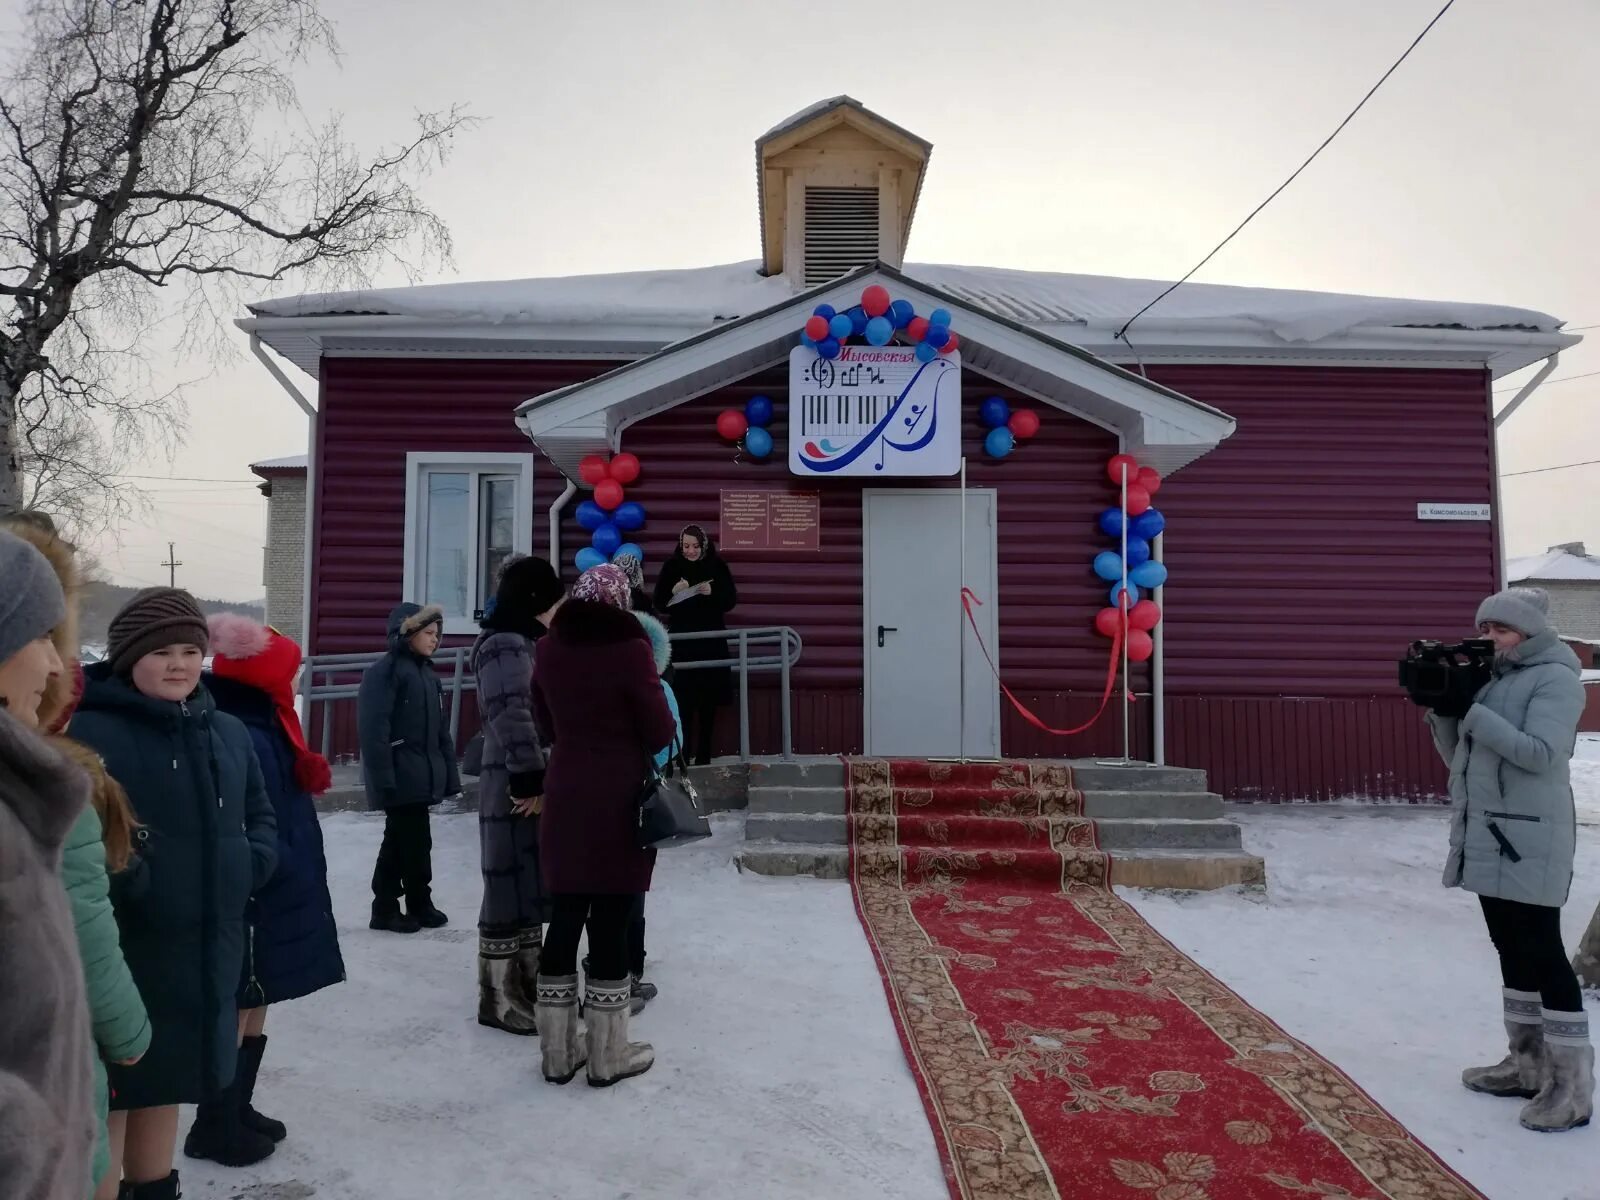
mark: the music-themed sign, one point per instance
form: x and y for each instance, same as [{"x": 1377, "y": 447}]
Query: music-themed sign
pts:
[{"x": 875, "y": 411}]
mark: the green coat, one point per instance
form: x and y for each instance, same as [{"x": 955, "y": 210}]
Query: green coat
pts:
[{"x": 121, "y": 1026}]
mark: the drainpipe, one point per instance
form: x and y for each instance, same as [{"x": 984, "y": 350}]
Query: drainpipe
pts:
[
  {"x": 1499, "y": 420},
  {"x": 311, "y": 495},
  {"x": 1158, "y": 669},
  {"x": 567, "y": 494}
]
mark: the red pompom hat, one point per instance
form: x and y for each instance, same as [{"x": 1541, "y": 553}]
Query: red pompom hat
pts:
[{"x": 259, "y": 656}]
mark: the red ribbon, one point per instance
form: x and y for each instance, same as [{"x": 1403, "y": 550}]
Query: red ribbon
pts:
[{"x": 968, "y": 599}]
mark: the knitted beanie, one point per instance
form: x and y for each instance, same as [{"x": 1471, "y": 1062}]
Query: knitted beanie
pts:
[
  {"x": 31, "y": 602},
  {"x": 155, "y": 617},
  {"x": 1525, "y": 609}
]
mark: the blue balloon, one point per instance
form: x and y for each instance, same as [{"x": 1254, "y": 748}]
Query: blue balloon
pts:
[
  {"x": 825, "y": 311},
  {"x": 880, "y": 330},
  {"x": 629, "y": 515},
  {"x": 607, "y": 538},
  {"x": 926, "y": 353},
  {"x": 828, "y": 347},
  {"x": 994, "y": 412},
  {"x": 940, "y": 316},
  {"x": 591, "y": 515},
  {"x": 757, "y": 442},
  {"x": 1110, "y": 522},
  {"x": 1150, "y": 575},
  {"x": 807, "y": 340},
  {"x": 1116, "y": 592},
  {"x": 1108, "y": 565},
  {"x": 999, "y": 441},
  {"x": 629, "y": 548},
  {"x": 1138, "y": 551},
  {"x": 588, "y": 557},
  {"x": 841, "y": 326},
  {"x": 858, "y": 320},
  {"x": 937, "y": 336},
  {"x": 1150, "y": 523},
  {"x": 901, "y": 312},
  {"x": 758, "y": 410}
]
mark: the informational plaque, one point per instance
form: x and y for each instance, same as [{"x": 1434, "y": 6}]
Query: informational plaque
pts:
[
  {"x": 874, "y": 411},
  {"x": 771, "y": 520}
]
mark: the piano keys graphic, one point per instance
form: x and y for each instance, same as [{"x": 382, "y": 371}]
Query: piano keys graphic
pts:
[{"x": 843, "y": 418}]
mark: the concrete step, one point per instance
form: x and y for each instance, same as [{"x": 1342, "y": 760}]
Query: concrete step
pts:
[
  {"x": 798, "y": 773},
  {"x": 1165, "y": 870},
  {"x": 1092, "y": 777},
  {"x": 769, "y": 799},
  {"x": 1117, "y": 833},
  {"x": 802, "y": 828},
  {"x": 1196, "y": 806}
]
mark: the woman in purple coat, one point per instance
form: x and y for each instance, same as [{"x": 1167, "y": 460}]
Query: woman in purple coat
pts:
[{"x": 598, "y": 700}]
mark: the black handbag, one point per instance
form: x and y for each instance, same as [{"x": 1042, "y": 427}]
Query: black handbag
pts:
[
  {"x": 472, "y": 757},
  {"x": 669, "y": 807}
]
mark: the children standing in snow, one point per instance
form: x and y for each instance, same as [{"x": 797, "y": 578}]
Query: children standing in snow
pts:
[{"x": 1512, "y": 838}]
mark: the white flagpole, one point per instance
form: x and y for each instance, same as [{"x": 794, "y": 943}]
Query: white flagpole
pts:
[
  {"x": 1122, "y": 610},
  {"x": 961, "y": 614}
]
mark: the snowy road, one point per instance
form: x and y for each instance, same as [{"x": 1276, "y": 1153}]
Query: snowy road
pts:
[{"x": 779, "y": 1073}]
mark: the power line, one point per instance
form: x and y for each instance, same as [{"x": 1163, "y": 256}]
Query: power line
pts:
[
  {"x": 1517, "y": 387},
  {"x": 1563, "y": 467},
  {"x": 1121, "y": 333},
  {"x": 189, "y": 479}
]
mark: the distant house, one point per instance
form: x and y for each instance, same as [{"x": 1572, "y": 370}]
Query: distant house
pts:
[
  {"x": 1572, "y": 577},
  {"x": 284, "y": 565}
]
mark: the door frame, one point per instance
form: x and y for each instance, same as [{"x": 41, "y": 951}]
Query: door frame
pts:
[{"x": 988, "y": 577}]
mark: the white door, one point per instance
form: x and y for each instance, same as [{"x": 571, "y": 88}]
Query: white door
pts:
[{"x": 914, "y": 628}]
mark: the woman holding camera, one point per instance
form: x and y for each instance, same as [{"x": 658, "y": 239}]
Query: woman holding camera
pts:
[{"x": 1512, "y": 836}]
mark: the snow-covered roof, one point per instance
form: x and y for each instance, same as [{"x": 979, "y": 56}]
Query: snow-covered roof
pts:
[
  {"x": 812, "y": 111},
  {"x": 1556, "y": 564},
  {"x": 705, "y": 295},
  {"x": 294, "y": 462}
]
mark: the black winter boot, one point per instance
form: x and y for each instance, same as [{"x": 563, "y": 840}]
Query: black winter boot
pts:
[
  {"x": 249, "y": 1064},
  {"x": 389, "y": 919},
  {"x": 218, "y": 1134},
  {"x": 160, "y": 1189},
  {"x": 425, "y": 914}
]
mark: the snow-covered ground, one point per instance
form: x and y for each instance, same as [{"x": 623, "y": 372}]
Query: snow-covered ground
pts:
[{"x": 780, "y": 1076}]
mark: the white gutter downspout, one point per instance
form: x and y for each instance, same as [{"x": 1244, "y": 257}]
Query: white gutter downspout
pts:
[
  {"x": 1499, "y": 420},
  {"x": 560, "y": 503},
  {"x": 1158, "y": 669},
  {"x": 311, "y": 492}
]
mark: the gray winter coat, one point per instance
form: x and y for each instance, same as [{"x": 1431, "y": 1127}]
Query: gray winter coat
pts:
[
  {"x": 1508, "y": 760},
  {"x": 513, "y": 891},
  {"x": 407, "y": 753}
]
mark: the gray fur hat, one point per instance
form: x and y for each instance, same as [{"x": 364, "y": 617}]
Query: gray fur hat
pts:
[
  {"x": 1525, "y": 609},
  {"x": 31, "y": 602}
]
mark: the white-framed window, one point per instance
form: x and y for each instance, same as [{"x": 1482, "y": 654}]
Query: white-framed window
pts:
[{"x": 466, "y": 513}]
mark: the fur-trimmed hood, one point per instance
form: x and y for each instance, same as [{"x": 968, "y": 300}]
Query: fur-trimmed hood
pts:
[
  {"x": 591, "y": 623},
  {"x": 409, "y": 619},
  {"x": 660, "y": 643},
  {"x": 62, "y": 692}
]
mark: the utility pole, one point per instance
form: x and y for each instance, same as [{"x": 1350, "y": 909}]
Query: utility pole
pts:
[{"x": 172, "y": 564}]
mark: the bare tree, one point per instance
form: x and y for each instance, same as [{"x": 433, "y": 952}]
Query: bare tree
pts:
[{"x": 130, "y": 163}]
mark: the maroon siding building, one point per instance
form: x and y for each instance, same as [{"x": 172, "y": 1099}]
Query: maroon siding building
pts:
[{"x": 1308, "y": 441}]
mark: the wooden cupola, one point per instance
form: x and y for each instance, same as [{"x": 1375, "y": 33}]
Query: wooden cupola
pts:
[{"x": 838, "y": 187}]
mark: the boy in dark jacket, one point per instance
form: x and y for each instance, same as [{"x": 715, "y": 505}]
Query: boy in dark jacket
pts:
[{"x": 409, "y": 761}]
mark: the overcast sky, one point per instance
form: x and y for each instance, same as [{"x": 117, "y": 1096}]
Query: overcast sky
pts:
[{"x": 1111, "y": 139}]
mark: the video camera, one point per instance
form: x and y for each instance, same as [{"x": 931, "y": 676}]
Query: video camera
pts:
[{"x": 1446, "y": 676}]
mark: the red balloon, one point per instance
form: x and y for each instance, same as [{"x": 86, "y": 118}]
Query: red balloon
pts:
[
  {"x": 625, "y": 467},
  {"x": 1114, "y": 468},
  {"x": 1140, "y": 646},
  {"x": 1024, "y": 423},
  {"x": 592, "y": 469},
  {"x": 608, "y": 494},
  {"x": 950, "y": 346},
  {"x": 1145, "y": 615},
  {"x": 875, "y": 301},
  {"x": 917, "y": 330},
  {"x": 731, "y": 424},
  {"x": 817, "y": 328},
  {"x": 1107, "y": 621},
  {"x": 1149, "y": 479},
  {"x": 1138, "y": 500}
]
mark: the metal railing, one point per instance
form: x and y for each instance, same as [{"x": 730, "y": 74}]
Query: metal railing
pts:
[{"x": 325, "y": 680}]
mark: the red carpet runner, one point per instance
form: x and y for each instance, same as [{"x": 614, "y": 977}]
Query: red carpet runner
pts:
[{"x": 1063, "y": 1048}]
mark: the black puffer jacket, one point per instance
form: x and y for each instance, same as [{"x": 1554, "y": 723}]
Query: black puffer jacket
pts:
[
  {"x": 208, "y": 839},
  {"x": 407, "y": 754}
]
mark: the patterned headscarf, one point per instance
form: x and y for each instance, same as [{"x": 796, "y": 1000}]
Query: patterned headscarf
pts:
[
  {"x": 605, "y": 584},
  {"x": 632, "y": 567}
]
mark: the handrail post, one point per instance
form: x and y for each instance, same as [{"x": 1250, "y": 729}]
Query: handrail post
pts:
[
  {"x": 327, "y": 728},
  {"x": 455, "y": 697},
  {"x": 744, "y": 695},
  {"x": 783, "y": 672}
]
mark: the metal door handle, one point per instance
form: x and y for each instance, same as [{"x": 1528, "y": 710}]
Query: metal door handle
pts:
[{"x": 883, "y": 629}]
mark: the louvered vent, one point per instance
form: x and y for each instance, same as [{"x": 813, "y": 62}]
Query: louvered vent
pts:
[{"x": 841, "y": 231}]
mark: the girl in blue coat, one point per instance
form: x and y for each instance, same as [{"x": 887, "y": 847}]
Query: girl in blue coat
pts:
[{"x": 293, "y": 947}]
